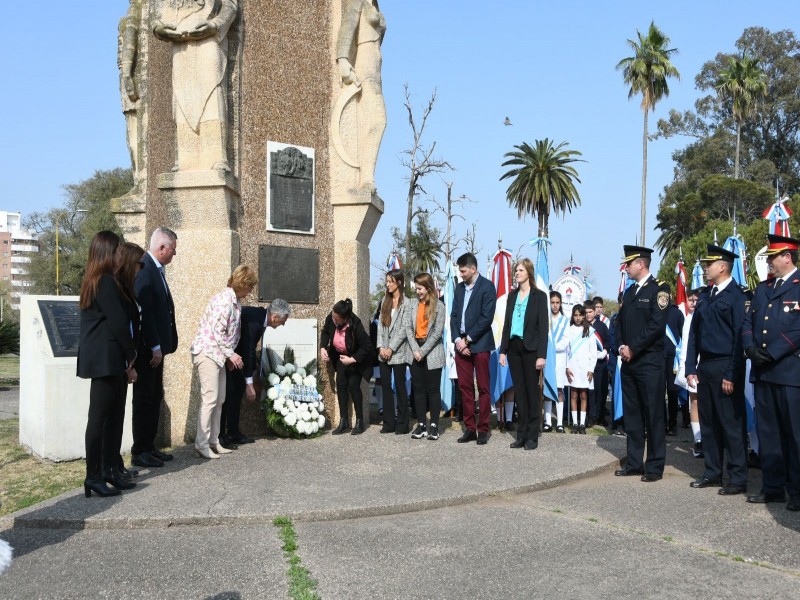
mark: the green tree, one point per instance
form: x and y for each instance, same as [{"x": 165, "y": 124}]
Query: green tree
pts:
[
  {"x": 425, "y": 247},
  {"x": 741, "y": 82},
  {"x": 85, "y": 212},
  {"x": 542, "y": 180},
  {"x": 646, "y": 73}
]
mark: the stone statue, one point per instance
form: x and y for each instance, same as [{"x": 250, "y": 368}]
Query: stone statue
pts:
[
  {"x": 358, "y": 56},
  {"x": 127, "y": 61},
  {"x": 198, "y": 32}
]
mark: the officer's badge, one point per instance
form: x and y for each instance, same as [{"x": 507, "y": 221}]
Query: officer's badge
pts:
[
  {"x": 747, "y": 306},
  {"x": 663, "y": 300}
]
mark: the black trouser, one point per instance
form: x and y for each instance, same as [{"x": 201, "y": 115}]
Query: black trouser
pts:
[
  {"x": 599, "y": 395},
  {"x": 672, "y": 392},
  {"x": 348, "y": 383},
  {"x": 105, "y": 422},
  {"x": 148, "y": 393},
  {"x": 427, "y": 391},
  {"x": 723, "y": 422},
  {"x": 778, "y": 422},
  {"x": 643, "y": 410},
  {"x": 234, "y": 390},
  {"x": 526, "y": 389},
  {"x": 399, "y": 371}
]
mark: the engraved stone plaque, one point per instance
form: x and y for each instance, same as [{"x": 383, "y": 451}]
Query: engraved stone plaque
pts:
[
  {"x": 288, "y": 273},
  {"x": 62, "y": 322},
  {"x": 290, "y": 198}
]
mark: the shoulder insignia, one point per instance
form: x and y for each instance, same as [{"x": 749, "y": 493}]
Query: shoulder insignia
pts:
[{"x": 663, "y": 300}]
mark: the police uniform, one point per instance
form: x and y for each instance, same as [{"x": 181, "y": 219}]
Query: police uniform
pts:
[
  {"x": 771, "y": 338},
  {"x": 640, "y": 326},
  {"x": 673, "y": 332},
  {"x": 713, "y": 354}
]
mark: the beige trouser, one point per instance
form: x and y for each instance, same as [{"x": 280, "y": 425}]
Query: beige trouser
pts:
[{"x": 212, "y": 397}]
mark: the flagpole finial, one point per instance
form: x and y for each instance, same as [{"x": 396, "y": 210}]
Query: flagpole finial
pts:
[{"x": 715, "y": 238}]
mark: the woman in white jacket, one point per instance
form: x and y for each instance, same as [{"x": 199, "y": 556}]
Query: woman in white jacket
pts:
[{"x": 581, "y": 360}]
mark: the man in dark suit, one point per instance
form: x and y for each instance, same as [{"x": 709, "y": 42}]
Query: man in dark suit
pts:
[
  {"x": 640, "y": 338},
  {"x": 254, "y": 321},
  {"x": 771, "y": 338},
  {"x": 159, "y": 337},
  {"x": 715, "y": 366},
  {"x": 471, "y": 326}
]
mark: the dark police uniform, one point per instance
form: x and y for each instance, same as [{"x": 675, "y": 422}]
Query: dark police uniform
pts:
[
  {"x": 715, "y": 340},
  {"x": 640, "y": 326},
  {"x": 772, "y": 328},
  {"x": 675, "y": 320}
]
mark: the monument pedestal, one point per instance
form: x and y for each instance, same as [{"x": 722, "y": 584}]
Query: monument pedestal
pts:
[
  {"x": 130, "y": 213},
  {"x": 201, "y": 209},
  {"x": 355, "y": 216}
]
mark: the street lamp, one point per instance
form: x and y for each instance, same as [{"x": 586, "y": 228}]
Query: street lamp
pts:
[{"x": 58, "y": 249}]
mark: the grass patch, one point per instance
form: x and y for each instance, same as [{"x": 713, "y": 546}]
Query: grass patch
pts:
[
  {"x": 9, "y": 369},
  {"x": 558, "y": 511},
  {"x": 667, "y": 538},
  {"x": 301, "y": 585},
  {"x": 593, "y": 520},
  {"x": 598, "y": 431},
  {"x": 25, "y": 479}
]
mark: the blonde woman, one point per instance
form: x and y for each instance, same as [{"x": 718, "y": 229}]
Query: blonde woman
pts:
[
  {"x": 425, "y": 325},
  {"x": 213, "y": 348}
]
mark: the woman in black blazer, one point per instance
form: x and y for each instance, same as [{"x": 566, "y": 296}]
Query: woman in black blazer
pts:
[
  {"x": 106, "y": 353},
  {"x": 346, "y": 343},
  {"x": 524, "y": 347}
]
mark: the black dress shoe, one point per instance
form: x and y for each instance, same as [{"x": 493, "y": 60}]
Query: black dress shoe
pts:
[
  {"x": 402, "y": 431},
  {"x": 651, "y": 477},
  {"x": 628, "y": 472},
  {"x": 344, "y": 425},
  {"x": 145, "y": 459},
  {"x": 483, "y": 437},
  {"x": 704, "y": 482},
  {"x": 531, "y": 444},
  {"x": 162, "y": 456},
  {"x": 766, "y": 498},
  {"x": 114, "y": 478},
  {"x": 240, "y": 439},
  {"x": 793, "y": 504},
  {"x": 387, "y": 429},
  {"x": 359, "y": 428},
  {"x": 469, "y": 436},
  {"x": 547, "y": 428},
  {"x": 509, "y": 426},
  {"x": 731, "y": 490},
  {"x": 517, "y": 444},
  {"x": 128, "y": 473}
]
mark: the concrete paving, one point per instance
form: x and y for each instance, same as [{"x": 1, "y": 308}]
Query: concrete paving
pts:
[
  {"x": 9, "y": 403},
  {"x": 384, "y": 516}
]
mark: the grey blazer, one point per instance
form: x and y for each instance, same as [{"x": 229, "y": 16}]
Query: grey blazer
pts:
[
  {"x": 394, "y": 337},
  {"x": 433, "y": 348}
]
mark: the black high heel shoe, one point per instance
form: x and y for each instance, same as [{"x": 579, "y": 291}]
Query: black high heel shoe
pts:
[
  {"x": 99, "y": 487},
  {"x": 113, "y": 477},
  {"x": 359, "y": 428}
]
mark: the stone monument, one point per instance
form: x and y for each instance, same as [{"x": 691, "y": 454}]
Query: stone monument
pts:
[{"x": 225, "y": 86}]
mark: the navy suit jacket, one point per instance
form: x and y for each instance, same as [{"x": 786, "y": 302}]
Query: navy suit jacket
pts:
[
  {"x": 769, "y": 325},
  {"x": 479, "y": 316},
  {"x": 158, "y": 310},
  {"x": 252, "y": 330}
]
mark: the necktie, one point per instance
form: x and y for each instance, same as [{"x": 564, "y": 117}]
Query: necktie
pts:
[
  {"x": 778, "y": 284},
  {"x": 714, "y": 291},
  {"x": 164, "y": 279}
]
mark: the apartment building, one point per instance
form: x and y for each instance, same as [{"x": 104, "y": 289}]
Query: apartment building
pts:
[{"x": 16, "y": 247}]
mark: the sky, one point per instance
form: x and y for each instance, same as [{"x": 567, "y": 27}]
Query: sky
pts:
[{"x": 549, "y": 67}]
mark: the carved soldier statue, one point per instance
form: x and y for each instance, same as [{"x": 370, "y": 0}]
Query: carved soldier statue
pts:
[
  {"x": 127, "y": 61},
  {"x": 198, "y": 32}
]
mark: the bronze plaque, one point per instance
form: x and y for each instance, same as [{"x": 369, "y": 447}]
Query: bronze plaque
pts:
[
  {"x": 291, "y": 190},
  {"x": 288, "y": 273},
  {"x": 62, "y": 322}
]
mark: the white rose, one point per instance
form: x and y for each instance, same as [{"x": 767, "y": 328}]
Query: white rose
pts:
[
  {"x": 273, "y": 379},
  {"x": 296, "y": 379},
  {"x": 290, "y": 368},
  {"x": 310, "y": 381},
  {"x": 290, "y": 419},
  {"x": 313, "y": 412},
  {"x": 314, "y": 427},
  {"x": 280, "y": 370},
  {"x": 286, "y": 381},
  {"x": 272, "y": 394},
  {"x": 301, "y": 371},
  {"x": 321, "y": 421}
]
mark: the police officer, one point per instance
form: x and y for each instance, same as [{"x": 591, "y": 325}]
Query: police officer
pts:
[
  {"x": 771, "y": 338},
  {"x": 640, "y": 338},
  {"x": 715, "y": 339}
]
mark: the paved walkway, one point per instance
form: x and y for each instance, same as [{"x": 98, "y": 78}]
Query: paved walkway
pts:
[{"x": 384, "y": 516}]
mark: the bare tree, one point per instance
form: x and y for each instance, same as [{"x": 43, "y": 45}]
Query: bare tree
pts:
[
  {"x": 449, "y": 242},
  {"x": 420, "y": 161}
]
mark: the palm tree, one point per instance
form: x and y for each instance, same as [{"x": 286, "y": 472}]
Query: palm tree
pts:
[
  {"x": 744, "y": 83},
  {"x": 543, "y": 180},
  {"x": 646, "y": 73}
]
